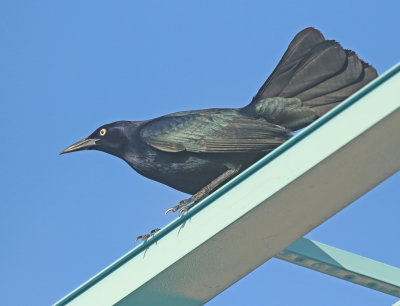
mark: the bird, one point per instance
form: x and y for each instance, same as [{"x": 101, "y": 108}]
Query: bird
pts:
[{"x": 197, "y": 151}]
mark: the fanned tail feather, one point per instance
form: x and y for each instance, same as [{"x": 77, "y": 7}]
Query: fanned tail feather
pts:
[{"x": 319, "y": 72}]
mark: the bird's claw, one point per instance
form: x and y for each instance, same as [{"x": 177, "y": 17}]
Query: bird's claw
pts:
[
  {"x": 154, "y": 231},
  {"x": 147, "y": 236},
  {"x": 143, "y": 237},
  {"x": 180, "y": 205},
  {"x": 185, "y": 209},
  {"x": 174, "y": 209}
]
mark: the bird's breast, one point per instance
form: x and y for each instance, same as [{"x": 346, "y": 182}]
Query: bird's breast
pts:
[{"x": 184, "y": 171}]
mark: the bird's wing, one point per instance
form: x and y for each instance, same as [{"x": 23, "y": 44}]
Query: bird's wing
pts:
[{"x": 212, "y": 133}]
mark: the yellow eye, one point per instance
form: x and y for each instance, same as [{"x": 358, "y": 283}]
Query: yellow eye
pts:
[{"x": 103, "y": 132}]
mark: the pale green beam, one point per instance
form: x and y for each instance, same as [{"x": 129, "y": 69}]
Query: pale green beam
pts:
[
  {"x": 344, "y": 265},
  {"x": 273, "y": 203}
]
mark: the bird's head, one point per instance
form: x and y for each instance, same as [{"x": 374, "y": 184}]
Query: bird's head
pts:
[{"x": 110, "y": 138}]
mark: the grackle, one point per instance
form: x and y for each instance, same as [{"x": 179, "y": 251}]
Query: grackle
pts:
[{"x": 197, "y": 151}]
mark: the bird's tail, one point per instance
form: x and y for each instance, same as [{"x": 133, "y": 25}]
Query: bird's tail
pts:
[{"x": 319, "y": 72}]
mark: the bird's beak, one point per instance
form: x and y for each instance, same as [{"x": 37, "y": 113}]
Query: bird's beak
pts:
[{"x": 83, "y": 144}]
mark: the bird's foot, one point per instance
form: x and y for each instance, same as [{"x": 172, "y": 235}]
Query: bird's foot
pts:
[
  {"x": 186, "y": 208},
  {"x": 184, "y": 204},
  {"x": 205, "y": 191},
  {"x": 180, "y": 205},
  {"x": 147, "y": 236}
]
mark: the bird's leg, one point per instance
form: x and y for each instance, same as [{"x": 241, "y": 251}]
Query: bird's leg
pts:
[
  {"x": 147, "y": 236},
  {"x": 203, "y": 192}
]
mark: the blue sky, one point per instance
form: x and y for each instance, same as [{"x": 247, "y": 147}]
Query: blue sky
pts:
[{"x": 68, "y": 67}]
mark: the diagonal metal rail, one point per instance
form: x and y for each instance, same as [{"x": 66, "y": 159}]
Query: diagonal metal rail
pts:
[{"x": 344, "y": 265}]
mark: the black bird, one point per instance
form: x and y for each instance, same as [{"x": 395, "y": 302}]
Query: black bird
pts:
[{"x": 197, "y": 151}]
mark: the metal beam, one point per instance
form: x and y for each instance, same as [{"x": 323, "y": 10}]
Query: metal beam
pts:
[
  {"x": 344, "y": 265},
  {"x": 276, "y": 201}
]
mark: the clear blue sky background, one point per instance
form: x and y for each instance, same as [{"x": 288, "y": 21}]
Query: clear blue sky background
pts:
[{"x": 68, "y": 67}]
